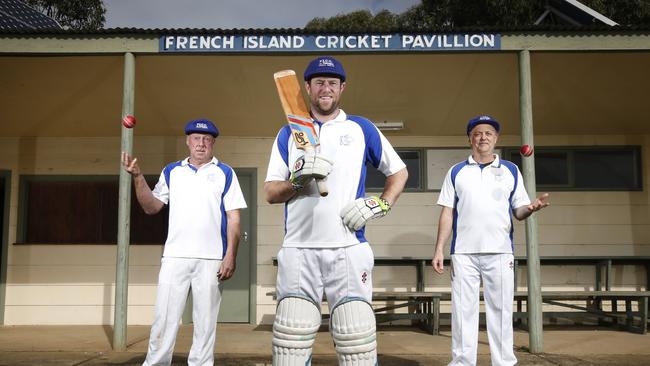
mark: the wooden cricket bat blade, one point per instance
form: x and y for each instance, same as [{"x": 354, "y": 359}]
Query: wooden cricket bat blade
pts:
[{"x": 298, "y": 117}]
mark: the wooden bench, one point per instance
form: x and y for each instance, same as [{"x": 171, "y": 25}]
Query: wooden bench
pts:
[
  {"x": 602, "y": 264},
  {"x": 634, "y": 321},
  {"x": 423, "y": 308}
]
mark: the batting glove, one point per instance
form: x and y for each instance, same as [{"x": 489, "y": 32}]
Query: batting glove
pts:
[
  {"x": 357, "y": 213},
  {"x": 308, "y": 167}
]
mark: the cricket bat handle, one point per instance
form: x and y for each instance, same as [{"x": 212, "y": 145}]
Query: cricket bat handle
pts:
[{"x": 322, "y": 187}]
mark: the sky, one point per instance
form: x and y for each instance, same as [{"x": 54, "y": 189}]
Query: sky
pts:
[{"x": 235, "y": 14}]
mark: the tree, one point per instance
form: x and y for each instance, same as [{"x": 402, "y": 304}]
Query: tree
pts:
[
  {"x": 624, "y": 12},
  {"x": 499, "y": 13},
  {"x": 447, "y": 14},
  {"x": 73, "y": 14},
  {"x": 356, "y": 21},
  {"x": 428, "y": 15}
]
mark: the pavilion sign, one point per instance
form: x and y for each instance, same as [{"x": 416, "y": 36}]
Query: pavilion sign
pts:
[{"x": 331, "y": 43}]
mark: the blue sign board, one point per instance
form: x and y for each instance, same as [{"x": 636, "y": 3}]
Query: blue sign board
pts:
[{"x": 331, "y": 43}]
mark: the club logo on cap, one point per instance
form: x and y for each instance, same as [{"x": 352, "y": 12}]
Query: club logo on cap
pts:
[
  {"x": 201, "y": 125},
  {"x": 325, "y": 62}
]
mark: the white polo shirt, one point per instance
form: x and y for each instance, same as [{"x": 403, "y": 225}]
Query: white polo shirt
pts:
[
  {"x": 198, "y": 200},
  {"x": 312, "y": 221},
  {"x": 483, "y": 197}
]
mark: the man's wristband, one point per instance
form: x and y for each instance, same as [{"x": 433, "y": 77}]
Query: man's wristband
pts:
[
  {"x": 385, "y": 205},
  {"x": 296, "y": 187}
]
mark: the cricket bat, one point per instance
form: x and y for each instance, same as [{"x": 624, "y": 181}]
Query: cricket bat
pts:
[{"x": 302, "y": 126}]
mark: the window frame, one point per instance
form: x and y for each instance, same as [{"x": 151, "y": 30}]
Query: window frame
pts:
[
  {"x": 421, "y": 166},
  {"x": 637, "y": 155},
  {"x": 23, "y": 203}
]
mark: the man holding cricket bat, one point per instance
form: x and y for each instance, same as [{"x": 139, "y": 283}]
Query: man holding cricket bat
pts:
[
  {"x": 324, "y": 249},
  {"x": 200, "y": 252},
  {"x": 479, "y": 196}
]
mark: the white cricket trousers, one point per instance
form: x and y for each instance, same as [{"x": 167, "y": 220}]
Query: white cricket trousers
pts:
[
  {"x": 176, "y": 276},
  {"x": 496, "y": 271},
  {"x": 341, "y": 273}
]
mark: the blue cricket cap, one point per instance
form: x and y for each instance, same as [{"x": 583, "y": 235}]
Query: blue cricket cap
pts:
[
  {"x": 324, "y": 65},
  {"x": 482, "y": 120},
  {"x": 201, "y": 126}
]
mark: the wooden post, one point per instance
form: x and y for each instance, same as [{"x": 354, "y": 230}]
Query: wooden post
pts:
[
  {"x": 124, "y": 213},
  {"x": 534, "y": 304}
]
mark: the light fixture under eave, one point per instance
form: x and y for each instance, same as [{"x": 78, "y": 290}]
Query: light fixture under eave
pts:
[{"x": 390, "y": 125}]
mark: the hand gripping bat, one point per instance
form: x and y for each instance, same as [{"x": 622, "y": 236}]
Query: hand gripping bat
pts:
[{"x": 300, "y": 121}]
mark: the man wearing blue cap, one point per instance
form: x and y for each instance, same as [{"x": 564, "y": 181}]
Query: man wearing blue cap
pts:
[
  {"x": 478, "y": 198},
  {"x": 200, "y": 252},
  {"x": 324, "y": 249}
]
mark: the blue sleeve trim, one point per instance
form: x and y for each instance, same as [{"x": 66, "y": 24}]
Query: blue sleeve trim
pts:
[
  {"x": 515, "y": 176},
  {"x": 283, "y": 143},
  {"x": 454, "y": 225},
  {"x": 454, "y": 172},
  {"x": 168, "y": 170},
  {"x": 361, "y": 192},
  {"x": 513, "y": 170},
  {"x": 228, "y": 172},
  {"x": 372, "y": 154},
  {"x": 373, "y": 141}
]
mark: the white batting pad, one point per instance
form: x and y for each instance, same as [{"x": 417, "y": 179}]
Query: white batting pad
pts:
[
  {"x": 354, "y": 332},
  {"x": 294, "y": 330}
]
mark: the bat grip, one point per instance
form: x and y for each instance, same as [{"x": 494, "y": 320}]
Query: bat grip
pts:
[{"x": 322, "y": 187}]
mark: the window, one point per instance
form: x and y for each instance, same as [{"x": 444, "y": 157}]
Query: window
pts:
[
  {"x": 375, "y": 180},
  {"x": 597, "y": 168},
  {"x": 81, "y": 210}
]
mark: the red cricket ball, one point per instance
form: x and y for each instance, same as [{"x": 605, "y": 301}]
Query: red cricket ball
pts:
[
  {"x": 128, "y": 121},
  {"x": 526, "y": 150}
]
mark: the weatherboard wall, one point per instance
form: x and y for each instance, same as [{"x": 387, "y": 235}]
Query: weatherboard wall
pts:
[{"x": 74, "y": 284}]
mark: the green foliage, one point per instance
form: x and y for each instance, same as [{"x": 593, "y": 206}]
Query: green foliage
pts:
[
  {"x": 445, "y": 14},
  {"x": 624, "y": 12},
  {"x": 500, "y": 13},
  {"x": 73, "y": 14},
  {"x": 430, "y": 14},
  {"x": 356, "y": 21}
]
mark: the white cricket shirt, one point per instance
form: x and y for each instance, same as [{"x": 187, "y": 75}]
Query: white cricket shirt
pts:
[
  {"x": 483, "y": 197},
  {"x": 198, "y": 200},
  {"x": 312, "y": 221}
]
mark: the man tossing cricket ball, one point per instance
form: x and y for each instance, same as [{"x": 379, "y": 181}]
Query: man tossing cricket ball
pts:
[
  {"x": 478, "y": 198},
  {"x": 324, "y": 249}
]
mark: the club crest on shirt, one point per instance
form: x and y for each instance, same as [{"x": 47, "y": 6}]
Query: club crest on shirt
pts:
[
  {"x": 498, "y": 194},
  {"x": 364, "y": 277},
  {"x": 345, "y": 140},
  {"x": 497, "y": 172}
]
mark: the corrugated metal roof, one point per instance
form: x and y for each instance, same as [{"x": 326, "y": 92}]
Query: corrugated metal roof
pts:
[{"x": 492, "y": 29}]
